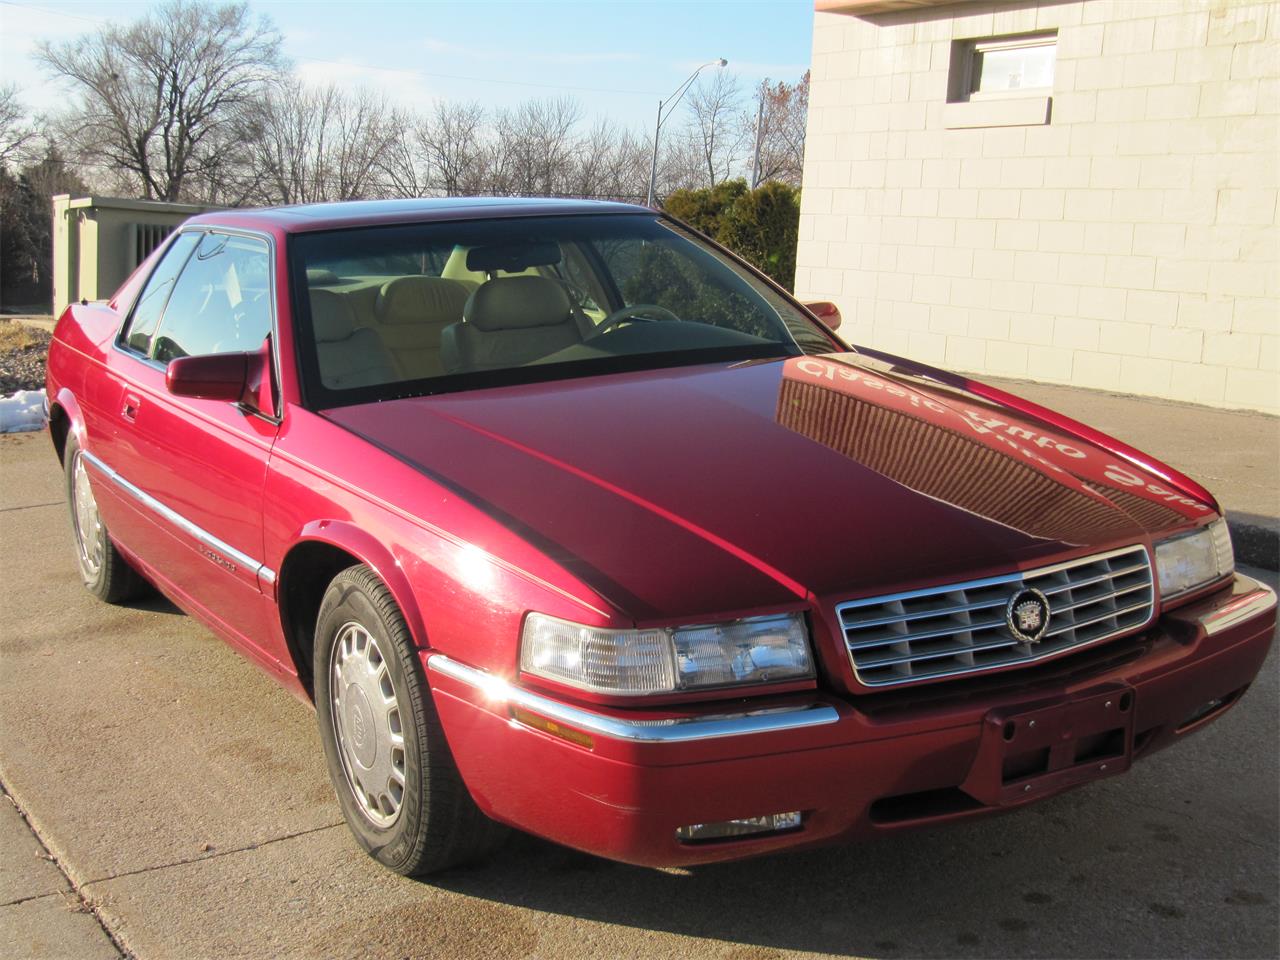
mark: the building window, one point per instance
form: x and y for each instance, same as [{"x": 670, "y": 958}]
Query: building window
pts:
[{"x": 1003, "y": 67}]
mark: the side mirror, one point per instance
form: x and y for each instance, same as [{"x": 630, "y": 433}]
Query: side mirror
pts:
[
  {"x": 827, "y": 312},
  {"x": 233, "y": 377}
]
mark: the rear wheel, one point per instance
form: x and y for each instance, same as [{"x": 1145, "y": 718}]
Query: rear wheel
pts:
[
  {"x": 397, "y": 784},
  {"x": 103, "y": 571}
]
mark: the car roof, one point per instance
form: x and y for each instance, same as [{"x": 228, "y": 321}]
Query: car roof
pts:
[{"x": 304, "y": 218}]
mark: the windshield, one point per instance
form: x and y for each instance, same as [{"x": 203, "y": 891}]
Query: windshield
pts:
[{"x": 403, "y": 310}]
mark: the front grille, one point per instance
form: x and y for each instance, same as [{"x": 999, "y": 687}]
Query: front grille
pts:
[{"x": 961, "y": 628}]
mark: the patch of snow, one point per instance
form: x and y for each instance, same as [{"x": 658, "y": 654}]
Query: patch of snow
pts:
[{"x": 22, "y": 411}]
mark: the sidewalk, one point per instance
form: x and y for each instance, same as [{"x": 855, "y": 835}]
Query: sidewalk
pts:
[{"x": 1235, "y": 454}]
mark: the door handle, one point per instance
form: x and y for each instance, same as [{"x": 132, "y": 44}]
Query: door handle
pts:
[{"x": 130, "y": 409}]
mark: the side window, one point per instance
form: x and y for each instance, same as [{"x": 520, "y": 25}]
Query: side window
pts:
[
  {"x": 146, "y": 314},
  {"x": 675, "y": 275},
  {"x": 221, "y": 302}
]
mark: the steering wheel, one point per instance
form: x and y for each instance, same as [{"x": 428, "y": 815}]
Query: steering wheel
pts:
[{"x": 642, "y": 312}]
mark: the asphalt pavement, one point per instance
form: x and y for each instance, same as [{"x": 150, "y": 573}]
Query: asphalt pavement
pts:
[{"x": 165, "y": 799}]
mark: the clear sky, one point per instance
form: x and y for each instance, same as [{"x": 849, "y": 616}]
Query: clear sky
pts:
[{"x": 617, "y": 57}]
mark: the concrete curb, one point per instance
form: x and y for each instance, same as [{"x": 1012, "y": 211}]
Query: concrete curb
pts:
[{"x": 1255, "y": 545}]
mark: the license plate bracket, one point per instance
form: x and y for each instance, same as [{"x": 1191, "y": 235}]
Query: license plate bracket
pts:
[{"x": 1033, "y": 750}]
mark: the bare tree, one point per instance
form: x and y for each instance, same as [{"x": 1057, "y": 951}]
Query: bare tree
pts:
[
  {"x": 282, "y": 133},
  {"x": 364, "y": 130},
  {"x": 715, "y": 128},
  {"x": 311, "y": 145},
  {"x": 451, "y": 143},
  {"x": 778, "y": 124},
  {"x": 607, "y": 163},
  {"x": 403, "y": 164},
  {"x": 191, "y": 102},
  {"x": 681, "y": 164},
  {"x": 161, "y": 97},
  {"x": 537, "y": 143},
  {"x": 630, "y": 169},
  {"x": 17, "y": 134}
]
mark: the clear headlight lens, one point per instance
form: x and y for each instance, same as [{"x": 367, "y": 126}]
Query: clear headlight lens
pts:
[
  {"x": 1193, "y": 559},
  {"x": 671, "y": 660}
]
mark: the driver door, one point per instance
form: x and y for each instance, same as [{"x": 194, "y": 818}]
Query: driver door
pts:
[{"x": 195, "y": 468}]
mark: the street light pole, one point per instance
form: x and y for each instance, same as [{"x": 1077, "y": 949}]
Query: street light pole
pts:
[
  {"x": 755, "y": 154},
  {"x": 670, "y": 104},
  {"x": 653, "y": 167}
]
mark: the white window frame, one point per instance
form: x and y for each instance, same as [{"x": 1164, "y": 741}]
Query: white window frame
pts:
[{"x": 971, "y": 77}]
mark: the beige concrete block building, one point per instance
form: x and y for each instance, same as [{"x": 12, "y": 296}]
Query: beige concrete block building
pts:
[
  {"x": 1071, "y": 192},
  {"x": 98, "y": 241}
]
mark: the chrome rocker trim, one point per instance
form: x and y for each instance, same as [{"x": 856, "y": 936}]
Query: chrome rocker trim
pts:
[
  {"x": 261, "y": 570},
  {"x": 680, "y": 730}
]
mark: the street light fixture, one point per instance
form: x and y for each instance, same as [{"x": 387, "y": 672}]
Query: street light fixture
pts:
[{"x": 668, "y": 105}]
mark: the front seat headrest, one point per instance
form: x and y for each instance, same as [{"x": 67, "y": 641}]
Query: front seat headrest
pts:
[
  {"x": 515, "y": 303},
  {"x": 420, "y": 300}
]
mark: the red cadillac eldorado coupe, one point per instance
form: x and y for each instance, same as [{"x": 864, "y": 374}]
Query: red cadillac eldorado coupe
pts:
[{"x": 566, "y": 519}]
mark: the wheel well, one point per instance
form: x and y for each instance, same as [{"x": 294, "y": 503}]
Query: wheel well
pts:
[
  {"x": 305, "y": 575},
  {"x": 59, "y": 426}
]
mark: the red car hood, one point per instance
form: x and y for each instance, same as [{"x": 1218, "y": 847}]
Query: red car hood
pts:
[{"x": 713, "y": 490}]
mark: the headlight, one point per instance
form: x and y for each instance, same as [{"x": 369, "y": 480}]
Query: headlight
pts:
[
  {"x": 630, "y": 662},
  {"x": 1193, "y": 559}
]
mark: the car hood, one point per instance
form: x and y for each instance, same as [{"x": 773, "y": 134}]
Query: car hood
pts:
[{"x": 724, "y": 489}]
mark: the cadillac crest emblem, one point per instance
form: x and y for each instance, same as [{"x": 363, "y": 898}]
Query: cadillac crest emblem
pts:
[{"x": 1027, "y": 615}]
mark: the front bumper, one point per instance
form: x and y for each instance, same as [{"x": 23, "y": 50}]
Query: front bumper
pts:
[{"x": 854, "y": 769}]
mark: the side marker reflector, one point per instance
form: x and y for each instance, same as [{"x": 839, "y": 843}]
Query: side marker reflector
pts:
[{"x": 546, "y": 725}]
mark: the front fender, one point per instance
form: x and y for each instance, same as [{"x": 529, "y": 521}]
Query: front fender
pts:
[{"x": 368, "y": 550}]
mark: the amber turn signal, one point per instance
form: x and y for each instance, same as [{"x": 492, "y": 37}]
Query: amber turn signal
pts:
[{"x": 547, "y": 725}]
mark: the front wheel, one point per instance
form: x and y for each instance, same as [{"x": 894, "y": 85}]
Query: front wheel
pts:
[{"x": 397, "y": 784}]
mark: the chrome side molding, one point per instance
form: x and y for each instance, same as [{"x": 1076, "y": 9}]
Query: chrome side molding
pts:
[
  {"x": 199, "y": 534},
  {"x": 681, "y": 730}
]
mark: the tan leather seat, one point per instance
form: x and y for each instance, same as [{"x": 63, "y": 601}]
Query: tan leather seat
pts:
[
  {"x": 349, "y": 356},
  {"x": 507, "y": 322},
  {"x": 411, "y": 313}
]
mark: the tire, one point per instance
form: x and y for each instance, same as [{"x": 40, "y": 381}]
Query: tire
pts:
[
  {"x": 103, "y": 571},
  {"x": 397, "y": 783}
]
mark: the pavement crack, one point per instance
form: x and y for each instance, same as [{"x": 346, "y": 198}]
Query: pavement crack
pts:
[
  {"x": 84, "y": 904},
  {"x": 34, "y": 896},
  {"x": 32, "y": 506},
  {"x": 212, "y": 856}
]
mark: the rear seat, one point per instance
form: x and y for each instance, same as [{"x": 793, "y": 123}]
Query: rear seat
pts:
[{"x": 410, "y": 313}]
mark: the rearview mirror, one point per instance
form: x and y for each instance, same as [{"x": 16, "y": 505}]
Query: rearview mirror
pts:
[
  {"x": 233, "y": 377},
  {"x": 827, "y": 312}
]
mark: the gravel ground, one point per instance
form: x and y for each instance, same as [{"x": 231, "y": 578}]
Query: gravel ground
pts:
[{"x": 22, "y": 353}]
